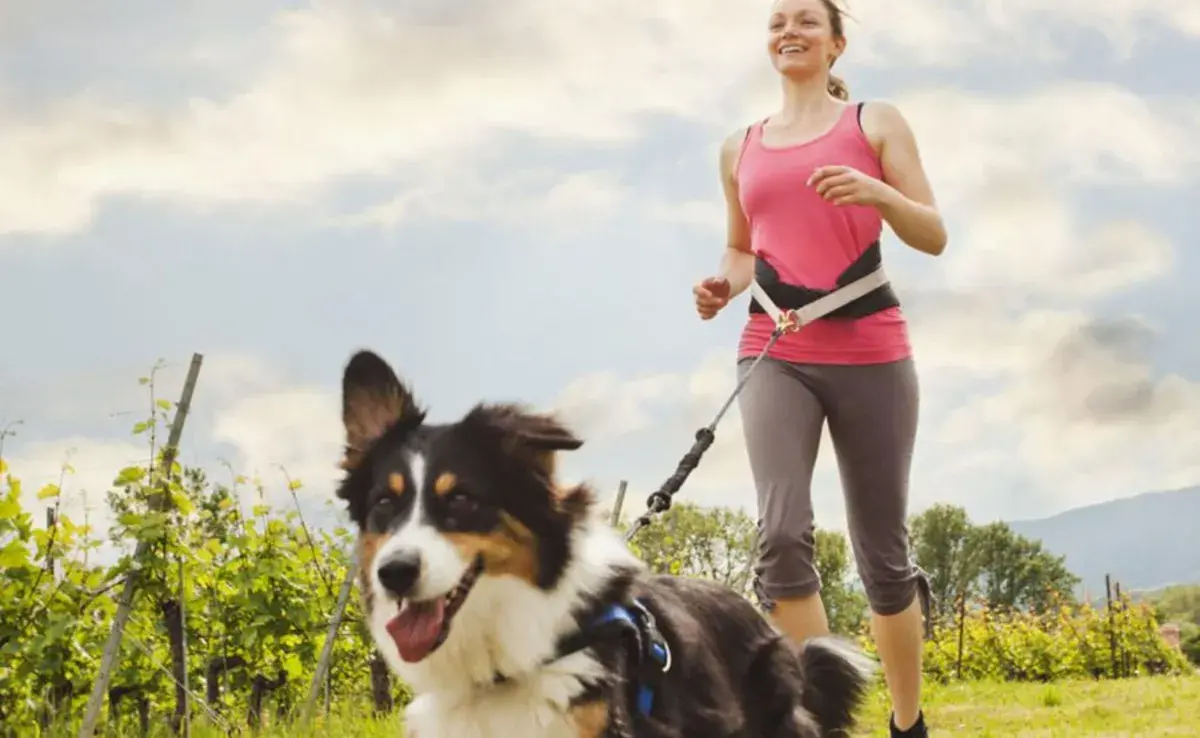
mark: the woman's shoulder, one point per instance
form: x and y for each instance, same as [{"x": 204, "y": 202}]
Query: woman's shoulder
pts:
[
  {"x": 737, "y": 138},
  {"x": 880, "y": 121},
  {"x": 732, "y": 146}
]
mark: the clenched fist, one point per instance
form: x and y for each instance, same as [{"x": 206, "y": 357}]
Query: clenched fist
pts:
[{"x": 711, "y": 295}]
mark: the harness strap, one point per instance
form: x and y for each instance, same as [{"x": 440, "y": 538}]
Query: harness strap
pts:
[
  {"x": 632, "y": 622},
  {"x": 822, "y": 306},
  {"x": 863, "y": 284}
]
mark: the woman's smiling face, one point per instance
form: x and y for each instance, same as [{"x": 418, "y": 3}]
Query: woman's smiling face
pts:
[{"x": 804, "y": 36}]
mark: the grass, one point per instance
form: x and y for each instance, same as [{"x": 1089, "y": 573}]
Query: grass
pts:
[{"x": 1157, "y": 706}]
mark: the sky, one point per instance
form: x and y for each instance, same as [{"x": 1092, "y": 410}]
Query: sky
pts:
[{"x": 511, "y": 201}]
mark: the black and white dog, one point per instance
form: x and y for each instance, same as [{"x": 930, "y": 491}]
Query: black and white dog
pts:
[{"x": 513, "y": 610}]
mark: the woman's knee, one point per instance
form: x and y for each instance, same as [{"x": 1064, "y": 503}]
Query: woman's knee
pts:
[
  {"x": 890, "y": 590},
  {"x": 786, "y": 567}
]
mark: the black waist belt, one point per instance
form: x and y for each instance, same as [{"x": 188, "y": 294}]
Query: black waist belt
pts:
[{"x": 793, "y": 297}]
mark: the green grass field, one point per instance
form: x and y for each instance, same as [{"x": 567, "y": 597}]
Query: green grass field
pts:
[{"x": 1152, "y": 706}]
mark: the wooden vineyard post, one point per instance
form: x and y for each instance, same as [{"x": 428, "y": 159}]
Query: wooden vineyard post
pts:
[
  {"x": 616, "y": 511},
  {"x": 335, "y": 622},
  {"x": 112, "y": 647}
]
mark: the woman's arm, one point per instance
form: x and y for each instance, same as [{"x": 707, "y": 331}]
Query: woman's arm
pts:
[
  {"x": 733, "y": 277},
  {"x": 907, "y": 202},
  {"x": 737, "y": 263}
]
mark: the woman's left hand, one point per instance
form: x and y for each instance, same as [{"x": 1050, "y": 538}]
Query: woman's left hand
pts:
[{"x": 843, "y": 185}]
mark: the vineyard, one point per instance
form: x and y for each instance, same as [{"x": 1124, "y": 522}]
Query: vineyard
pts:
[{"x": 234, "y": 599}]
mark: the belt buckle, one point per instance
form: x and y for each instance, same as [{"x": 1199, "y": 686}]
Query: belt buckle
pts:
[{"x": 788, "y": 321}]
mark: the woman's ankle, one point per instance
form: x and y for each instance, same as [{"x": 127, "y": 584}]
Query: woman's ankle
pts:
[{"x": 916, "y": 730}]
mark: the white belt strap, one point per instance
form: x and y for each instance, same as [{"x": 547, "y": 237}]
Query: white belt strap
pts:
[{"x": 794, "y": 320}]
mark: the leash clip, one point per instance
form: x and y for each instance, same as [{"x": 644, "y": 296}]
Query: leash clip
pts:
[{"x": 655, "y": 646}]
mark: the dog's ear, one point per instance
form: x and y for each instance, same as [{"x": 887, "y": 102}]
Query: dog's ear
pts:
[
  {"x": 373, "y": 400},
  {"x": 535, "y": 436}
]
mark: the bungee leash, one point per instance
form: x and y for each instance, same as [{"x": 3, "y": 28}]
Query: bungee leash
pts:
[{"x": 786, "y": 321}]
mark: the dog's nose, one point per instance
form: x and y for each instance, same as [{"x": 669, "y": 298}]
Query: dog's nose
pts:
[{"x": 400, "y": 572}]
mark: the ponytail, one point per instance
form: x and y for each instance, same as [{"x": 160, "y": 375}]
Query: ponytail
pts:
[{"x": 837, "y": 87}]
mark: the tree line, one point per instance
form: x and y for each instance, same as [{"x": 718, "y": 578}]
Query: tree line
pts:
[{"x": 990, "y": 565}]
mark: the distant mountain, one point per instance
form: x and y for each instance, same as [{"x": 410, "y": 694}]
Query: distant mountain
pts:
[{"x": 1145, "y": 542}]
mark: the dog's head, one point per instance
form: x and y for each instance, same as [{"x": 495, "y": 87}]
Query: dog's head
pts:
[{"x": 440, "y": 506}]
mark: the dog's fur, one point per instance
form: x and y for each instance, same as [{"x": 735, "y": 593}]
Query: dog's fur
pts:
[{"x": 482, "y": 490}]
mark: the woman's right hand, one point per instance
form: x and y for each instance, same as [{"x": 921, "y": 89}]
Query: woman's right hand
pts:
[{"x": 711, "y": 295}]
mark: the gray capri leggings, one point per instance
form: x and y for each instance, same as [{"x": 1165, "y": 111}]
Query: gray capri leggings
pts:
[{"x": 872, "y": 415}]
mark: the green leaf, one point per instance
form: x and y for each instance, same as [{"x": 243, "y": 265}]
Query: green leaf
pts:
[
  {"x": 129, "y": 475},
  {"x": 50, "y": 490},
  {"x": 140, "y": 428},
  {"x": 182, "y": 502},
  {"x": 14, "y": 555},
  {"x": 293, "y": 667},
  {"x": 164, "y": 404}
]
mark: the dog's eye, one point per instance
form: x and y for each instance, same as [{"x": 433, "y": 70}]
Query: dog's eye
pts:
[
  {"x": 383, "y": 509},
  {"x": 460, "y": 504}
]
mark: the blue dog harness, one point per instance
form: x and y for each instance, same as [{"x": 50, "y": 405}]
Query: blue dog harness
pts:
[
  {"x": 652, "y": 656},
  {"x": 631, "y": 622}
]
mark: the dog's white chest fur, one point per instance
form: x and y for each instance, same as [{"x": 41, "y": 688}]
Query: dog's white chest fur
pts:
[{"x": 533, "y": 708}]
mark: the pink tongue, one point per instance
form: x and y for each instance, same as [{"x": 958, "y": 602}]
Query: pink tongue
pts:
[{"x": 416, "y": 629}]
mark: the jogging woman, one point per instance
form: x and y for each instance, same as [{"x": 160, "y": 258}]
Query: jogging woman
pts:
[{"x": 808, "y": 189}]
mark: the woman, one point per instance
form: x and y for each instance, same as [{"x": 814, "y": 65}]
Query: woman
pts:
[{"x": 808, "y": 190}]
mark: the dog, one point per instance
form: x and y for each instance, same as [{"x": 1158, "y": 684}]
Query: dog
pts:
[{"x": 512, "y": 609}]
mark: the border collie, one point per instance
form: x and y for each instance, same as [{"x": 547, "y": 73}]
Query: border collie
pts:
[{"x": 512, "y": 609}]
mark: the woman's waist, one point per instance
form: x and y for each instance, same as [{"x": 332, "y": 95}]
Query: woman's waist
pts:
[
  {"x": 884, "y": 327},
  {"x": 811, "y": 261}
]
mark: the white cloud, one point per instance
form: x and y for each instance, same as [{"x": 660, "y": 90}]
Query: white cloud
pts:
[
  {"x": 1074, "y": 395},
  {"x": 1065, "y": 133},
  {"x": 601, "y": 406},
  {"x": 1027, "y": 238},
  {"x": 352, "y": 92},
  {"x": 943, "y": 33},
  {"x": 538, "y": 197},
  {"x": 292, "y": 429}
]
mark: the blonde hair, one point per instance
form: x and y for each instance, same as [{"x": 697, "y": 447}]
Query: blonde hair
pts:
[{"x": 837, "y": 86}]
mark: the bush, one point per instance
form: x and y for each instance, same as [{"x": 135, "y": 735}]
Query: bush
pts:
[
  {"x": 1068, "y": 641},
  {"x": 1190, "y": 642}
]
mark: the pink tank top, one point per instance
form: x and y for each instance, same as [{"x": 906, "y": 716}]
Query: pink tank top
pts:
[{"x": 811, "y": 241}]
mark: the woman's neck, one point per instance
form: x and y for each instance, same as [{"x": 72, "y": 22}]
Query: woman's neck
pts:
[{"x": 803, "y": 99}]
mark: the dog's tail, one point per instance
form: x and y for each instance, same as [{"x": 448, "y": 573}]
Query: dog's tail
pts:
[{"x": 836, "y": 677}]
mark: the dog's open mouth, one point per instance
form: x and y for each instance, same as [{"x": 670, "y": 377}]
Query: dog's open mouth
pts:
[{"x": 422, "y": 626}]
